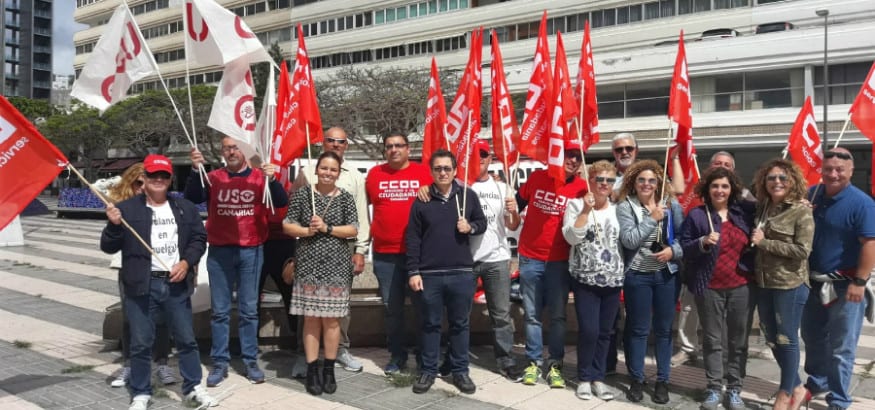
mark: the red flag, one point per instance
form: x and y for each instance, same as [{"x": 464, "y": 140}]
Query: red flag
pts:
[
  {"x": 28, "y": 162},
  {"x": 804, "y": 144},
  {"x": 680, "y": 109},
  {"x": 689, "y": 199},
  {"x": 283, "y": 94},
  {"x": 562, "y": 83},
  {"x": 435, "y": 116},
  {"x": 863, "y": 114},
  {"x": 535, "y": 132},
  {"x": 505, "y": 132},
  {"x": 302, "y": 110},
  {"x": 586, "y": 89},
  {"x": 463, "y": 120}
]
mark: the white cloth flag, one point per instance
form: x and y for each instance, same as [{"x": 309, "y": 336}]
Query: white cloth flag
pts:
[
  {"x": 216, "y": 36},
  {"x": 267, "y": 120},
  {"x": 120, "y": 58},
  {"x": 233, "y": 112}
]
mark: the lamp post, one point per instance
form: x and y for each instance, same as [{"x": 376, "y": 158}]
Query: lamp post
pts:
[{"x": 825, "y": 14}]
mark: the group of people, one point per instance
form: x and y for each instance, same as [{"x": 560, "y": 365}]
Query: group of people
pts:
[{"x": 801, "y": 256}]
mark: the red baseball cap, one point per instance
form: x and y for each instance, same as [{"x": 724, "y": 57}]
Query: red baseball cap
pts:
[
  {"x": 157, "y": 163},
  {"x": 572, "y": 144},
  {"x": 483, "y": 145}
]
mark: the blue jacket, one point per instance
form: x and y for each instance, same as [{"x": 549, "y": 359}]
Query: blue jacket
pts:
[
  {"x": 136, "y": 271},
  {"x": 699, "y": 260},
  {"x": 433, "y": 242}
]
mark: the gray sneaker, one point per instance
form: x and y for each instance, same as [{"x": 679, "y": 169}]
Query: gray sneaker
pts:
[
  {"x": 299, "y": 370},
  {"x": 347, "y": 361},
  {"x": 712, "y": 400},
  {"x": 584, "y": 391},
  {"x": 140, "y": 402},
  {"x": 122, "y": 379},
  {"x": 165, "y": 374},
  {"x": 602, "y": 391}
]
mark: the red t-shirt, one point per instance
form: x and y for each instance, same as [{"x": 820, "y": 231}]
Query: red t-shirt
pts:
[
  {"x": 726, "y": 274},
  {"x": 541, "y": 237},
  {"x": 392, "y": 192}
]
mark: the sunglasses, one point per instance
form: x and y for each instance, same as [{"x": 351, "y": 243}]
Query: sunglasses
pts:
[
  {"x": 230, "y": 148},
  {"x": 438, "y": 169},
  {"x": 339, "y": 141},
  {"x": 627, "y": 148},
  {"x": 572, "y": 155},
  {"x": 138, "y": 183},
  {"x": 777, "y": 177},
  {"x": 650, "y": 181},
  {"x": 605, "y": 180},
  {"x": 839, "y": 155},
  {"x": 484, "y": 155},
  {"x": 398, "y": 146},
  {"x": 158, "y": 175}
]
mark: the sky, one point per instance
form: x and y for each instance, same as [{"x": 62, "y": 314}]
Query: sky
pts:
[{"x": 63, "y": 28}]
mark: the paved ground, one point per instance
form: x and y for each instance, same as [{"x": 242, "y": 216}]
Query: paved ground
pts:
[{"x": 55, "y": 288}]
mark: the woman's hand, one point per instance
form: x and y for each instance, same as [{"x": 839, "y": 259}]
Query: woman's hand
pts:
[
  {"x": 588, "y": 203},
  {"x": 317, "y": 225},
  {"x": 711, "y": 239},
  {"x": 757, "y": 236},
  {"x": 657, "y": 212},
  {"x": 664, "y": 255}
]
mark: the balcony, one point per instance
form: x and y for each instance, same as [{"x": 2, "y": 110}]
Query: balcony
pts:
[
  {"x": 42, "y": 66},
  {"x": 42, "y": 84},
  {"x": 12, "y": 23},
  {"x": 42, "y": 13},
  {"x": 11, "y": 41},
  {"x": 42, "y": 31},
  {"x": 11, "y": 76},
  {"x": 42, "y": 49}
]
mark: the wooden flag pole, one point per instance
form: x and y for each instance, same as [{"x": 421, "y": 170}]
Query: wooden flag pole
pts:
[
  {"x": 124, "y": 222},
  {"x": 467, "y": 163},
  {"x": 310, "y": 162},
  {"x": 838, "y": 140},
  {"x": 665, "y": 170}
]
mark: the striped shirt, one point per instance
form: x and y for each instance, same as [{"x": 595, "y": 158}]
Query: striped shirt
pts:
[{"x": 644, "y": 261}]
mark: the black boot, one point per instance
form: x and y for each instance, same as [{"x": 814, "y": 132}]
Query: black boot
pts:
[
  {"x": 314, "y": 382},
  {"x": 329, "y": 384}
]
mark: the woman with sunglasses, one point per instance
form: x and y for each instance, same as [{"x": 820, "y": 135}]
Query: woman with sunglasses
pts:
[
  {"x": 590, "y": 226},
  {"x": 783, "y": 237},
  {"x": 650, "y": 220},
  {"x": 715, "y": 237},
  {"x": 130, "y": 185}
]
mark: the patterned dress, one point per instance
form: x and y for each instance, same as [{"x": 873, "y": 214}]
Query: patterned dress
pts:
[{"x": 323, "y": 263}]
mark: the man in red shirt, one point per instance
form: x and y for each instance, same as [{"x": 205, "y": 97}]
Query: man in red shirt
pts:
[
  {"x": 391, "y": 189},
  {"x": 544, "y": 279}
]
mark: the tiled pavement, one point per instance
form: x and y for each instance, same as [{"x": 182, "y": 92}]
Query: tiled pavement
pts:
[{"x": 54, "y": 289}]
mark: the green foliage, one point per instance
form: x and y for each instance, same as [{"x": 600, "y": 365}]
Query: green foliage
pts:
[
  {"x": 33, "y": 109},
  {"x": 79, "y": 368},
  {"x": 260, "y": 72}
]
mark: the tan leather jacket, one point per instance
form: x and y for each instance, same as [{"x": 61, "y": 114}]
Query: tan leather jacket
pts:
[{"x": 782, "y": 257}]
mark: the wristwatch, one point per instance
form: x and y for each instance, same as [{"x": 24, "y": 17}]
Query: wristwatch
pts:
[
  {"x": 328, "y": 229},
  {"x": 860, "y": 281}
]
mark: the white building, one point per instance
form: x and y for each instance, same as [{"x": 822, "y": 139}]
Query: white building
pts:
[{"x": 747, "y": 90}]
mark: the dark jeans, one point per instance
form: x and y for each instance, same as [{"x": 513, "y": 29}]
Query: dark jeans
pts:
[
  {"x": 391, "y": 272},
  {"x": 496, "y": 285},
  {"x": 650, "y": 298},
  {"x": 161, "y": 347},
  {"x": 780, "y": 317},
  {"x": 453, "y": 291},
  {"x": 726, "y": 312},
  {"x": 234, "y": 267},
  {"x": 170, "y": 301},
  {"x": 276, "y": 252},
  {"x": 596, "y": 314}
]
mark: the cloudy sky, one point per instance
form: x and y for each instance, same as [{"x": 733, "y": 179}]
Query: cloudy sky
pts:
[{"x": 63, "y": 28}]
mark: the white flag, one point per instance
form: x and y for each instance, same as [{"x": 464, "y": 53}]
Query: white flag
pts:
[
  {"x": 267, "y": 120},
  {"x": 120, "y": 58},
  {"x": 216, "y": 36},
  {"x": 233, "y": 112}
]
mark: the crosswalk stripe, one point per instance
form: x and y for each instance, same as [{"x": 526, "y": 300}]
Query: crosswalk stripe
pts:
[
  {"x": 94, "y": 271},
  {"x": 70, "y": 295}
]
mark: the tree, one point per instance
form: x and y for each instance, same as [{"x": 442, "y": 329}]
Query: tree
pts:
[
  {"x": 371, "y": 102},
  {"x": 260, "y": 72},
  {"x": 33, "y": 109},
  {"x": 82, "y": 135}
]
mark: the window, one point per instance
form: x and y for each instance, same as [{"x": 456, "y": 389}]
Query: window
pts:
[
  {"x": 845, "y": 81},
  {"x": 401, "y": 13},
  {"x": 414, "y": 10},
  {"x": 380, "y": 16},
  {"x": 651, "y": 10},
  {"x": 610, "y": 17},
  {"x": 390, "y": 15},
  {"x": 623, "y": 15},
  {"x": 701, "y": 5},
  {"x": 666, "y": 8},
  {"x": 635, "y": 13}
]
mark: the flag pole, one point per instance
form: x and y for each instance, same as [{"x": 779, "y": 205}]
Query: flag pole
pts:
[
  {"x": 310, "y": 162},
  {"x": 842, "y": 133},
  {"x": 467, "y": 162},
  {"x": 124, "y": 222},
  {"x": 665, "y": 170}
]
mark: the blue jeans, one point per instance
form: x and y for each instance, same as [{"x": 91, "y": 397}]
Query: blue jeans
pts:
[
  {"x": 544, "y": 284},
  {"x": 233, "y": 267},
  {"x": 650, "y": 297},
  {"x": 597, "y": 309},
  {"x": 783, "y": 335},
  {"x": 170, "y": 301},
  {"x": 453, "y": 291},
  {"x": 391, "y": 272},
  {"x": 831, "y": 334}
]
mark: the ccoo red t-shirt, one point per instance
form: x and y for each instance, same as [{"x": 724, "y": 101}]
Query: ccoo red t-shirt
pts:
[
  {"x": 392, "y": 192},
  {"x": 541, "y": 237}
]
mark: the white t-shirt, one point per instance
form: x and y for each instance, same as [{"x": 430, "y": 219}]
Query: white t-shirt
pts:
[
  {"x": 492, "y": 245},
  {"x": 165, "y": 237}
]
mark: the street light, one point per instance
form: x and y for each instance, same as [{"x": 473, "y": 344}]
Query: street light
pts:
[{"x": 825, "y": 14}]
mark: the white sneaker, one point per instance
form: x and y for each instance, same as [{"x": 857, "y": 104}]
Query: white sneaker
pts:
[
  {"x": 347, "y": 361},
  {"x": 140, "y": 402},
  {"x": 122, "y": 379},
  {"x": 201, "y": 398},
  {"x": 584, "y": 391},
  {"x": 165, "y": 374},
  {"x": 602, "y": 391}
]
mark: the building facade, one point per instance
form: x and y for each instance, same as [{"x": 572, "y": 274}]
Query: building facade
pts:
[
  {"x": 747, "y": 81},
  {"x": 27, "y": 48}
]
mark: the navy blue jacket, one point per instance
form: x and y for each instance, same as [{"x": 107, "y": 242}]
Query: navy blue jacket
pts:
[
  {"x": 136, "y": 260},
  {"x": 433, "y": 242}
]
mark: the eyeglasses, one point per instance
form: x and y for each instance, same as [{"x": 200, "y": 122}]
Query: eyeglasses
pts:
[
  {"x": 626, "y": 148},
  {"x": 605, "y": 180},
  {"x": 230, "y": 148},
  {"x": 338, "y": 141},
  {"x": 158, "y": 175},
  {"x": 438, "y": 169},
  {"x": 572, "y": 155},
  {"x": 776, "y": 177},
  {"x": 138, "y": 183},
  {"x": 484, "y": 155},
  {"x": 397, "y": 146},
  {"x": 839, "y": 155},
  {"x": 650, "y": 181}
]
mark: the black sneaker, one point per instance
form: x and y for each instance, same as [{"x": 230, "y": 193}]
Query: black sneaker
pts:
[
  {"x": 464, "y": 383},
  {"x": 423, "y": 383},
  {"x": 445, "y": 369},
  {"x": 636, "y": 391},
  {"x": 512, "y": 372},
  {"x": 660, "y": 393}
]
